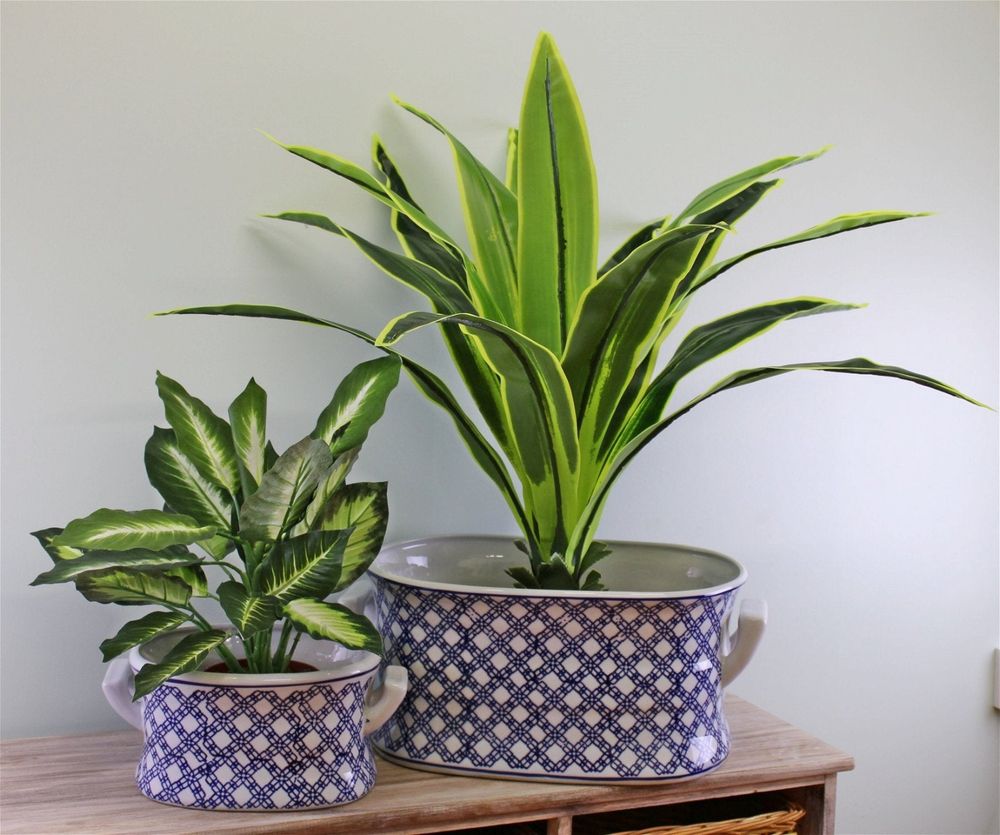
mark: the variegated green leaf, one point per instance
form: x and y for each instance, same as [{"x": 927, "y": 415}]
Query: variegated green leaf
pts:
[
  {"x": 540, "y": 416},
  {"x": 133, "y": 588},
  {"x": 204, "y": 437},
  {"x": 490, "y": 210},
  {"x": 303, "y": 566},
  {"x": 618, "y": 323},
  {"x": 357, "y": 404},
  {"x": 182, "y": 485},
  {"x": 139, "y": 631},
  {"x": 192, "y": 576},
  {"x": 416, "y": 241},
  {"x": 357, "y": 175},
  {"x": 247, "y": 612},
  {"x": 557, "y": 201},
  {"x": 364, "y": 508},
  {"x": 331, "y": 482},
  {"x": 285, "y": 490},
  {"x": 188, "y": 654},
  {"x": 333, "y": 622},
  {"x": 248, "y": 420},
  {"x": 137, "y": 559},
  {"x": 641, "y": 236},
  {"x": 510, "y": 173},
  {"x": 121, "y": 530},
  {"x": 586, "y": 529},
  {"x": 57, "y": 553},
  {"x": 726, "y": 189},
  {"x": 713, "y": 339},
  {"x": 835, "y": 226},
  {"x": 443, "y": 292}
]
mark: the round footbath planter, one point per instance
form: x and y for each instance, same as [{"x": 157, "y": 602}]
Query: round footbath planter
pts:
[
  {"x": 257, "y": 742},
  {"x": 570, "y": 686}
]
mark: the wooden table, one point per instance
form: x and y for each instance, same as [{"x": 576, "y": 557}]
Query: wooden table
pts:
[{"x": 84, "y": 784}]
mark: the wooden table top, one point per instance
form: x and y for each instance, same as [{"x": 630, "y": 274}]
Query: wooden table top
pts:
[{"x": 85, "y": 785}]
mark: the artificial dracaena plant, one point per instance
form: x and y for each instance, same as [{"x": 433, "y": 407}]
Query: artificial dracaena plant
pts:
[
  {"x": 561, "y": 352},
  {"x": 284, "y": 531}
]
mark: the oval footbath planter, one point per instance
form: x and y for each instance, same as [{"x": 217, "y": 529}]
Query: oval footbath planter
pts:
[
  {"x": 257, "y": 742},
  {"x": 567, "y": 686}
]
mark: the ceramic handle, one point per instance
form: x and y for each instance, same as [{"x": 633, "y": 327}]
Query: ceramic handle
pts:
[
  {"x": 118, "y": 687},
  {"x": 389, "y": 698},
  {"x": 743, "y": 643}
]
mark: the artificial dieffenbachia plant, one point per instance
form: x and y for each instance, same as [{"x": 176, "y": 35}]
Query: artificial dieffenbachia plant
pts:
[
  {"x": 561, "y": 351},
  {"x": 284, "y": 531}
]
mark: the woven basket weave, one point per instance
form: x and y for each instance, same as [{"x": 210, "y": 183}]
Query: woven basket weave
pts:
[{"x": 770, "y": 823}]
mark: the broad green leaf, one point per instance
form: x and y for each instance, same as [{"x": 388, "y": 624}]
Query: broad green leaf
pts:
[
  {"x": 137, "y": 559},
  {"x": 539, "y": 413},
  {"x": 247, "y": 612},
  {"x": 357, "y": 404},
  {"x": 57, "y": 553},
  {"x": 248, "y": 419},
  {"x": 182, "y": 485},
  {"x": 303, "y": 566},
  {"x": 192, "y": 576},
  {"x": 133, "y": 588},
  {"x": 835, "y": 226},
  {"x": 557, "y": 201},
  {"x": 122, "y": 530},
  {"x": 859, "y": 365},
  {"x": 416, "y": 241},
  {"x": 139, "y": 631},
  {"x": 490, "y": 210},
  {"x": 204, "y": 437},
  {"x": 187, "y": 655},
  {"x": 428, "y": 383},
  {"x": 331, "y": 482},
  {"x": 731, "y": 186},
  {"x": 713, "y": 339},
  {"x": 364, "y": 508},
  {"x": 333, "y": 622},
  {"x": 443, "y": 292},
  {"x": 618, "y": 323},
  {"x": 285, "y": 490}
]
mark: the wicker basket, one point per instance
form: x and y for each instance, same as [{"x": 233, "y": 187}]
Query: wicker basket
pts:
[{"x": 770, "y": 823}]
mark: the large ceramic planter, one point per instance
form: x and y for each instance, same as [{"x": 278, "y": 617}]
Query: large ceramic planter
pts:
[
  {"x": 614, "y": 686},
  {"x": 257, "y": 742}
]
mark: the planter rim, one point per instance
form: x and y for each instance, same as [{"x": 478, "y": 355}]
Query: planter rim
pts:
[
  {"x": 383, "y": 569},
  {"x": 360, "y": 663}
]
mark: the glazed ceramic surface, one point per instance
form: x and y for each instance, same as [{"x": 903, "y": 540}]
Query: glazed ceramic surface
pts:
[
  {"x": 615, "y": 686},
  {"x": 258, "y": 742}
]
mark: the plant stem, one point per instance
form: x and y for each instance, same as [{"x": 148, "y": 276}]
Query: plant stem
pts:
[{"x": 280, "y": 660}]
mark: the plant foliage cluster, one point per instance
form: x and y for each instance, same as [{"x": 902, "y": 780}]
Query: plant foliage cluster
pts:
[{"x": 299, "y": 532}]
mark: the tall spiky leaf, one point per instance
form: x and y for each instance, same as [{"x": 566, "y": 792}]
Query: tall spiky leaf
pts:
[{"x": 557, "y": 201}]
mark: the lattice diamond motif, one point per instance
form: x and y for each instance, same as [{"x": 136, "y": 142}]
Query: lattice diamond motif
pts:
[
  {"x": 534, "y": 682},
  {"x": 256, "y": 748}
]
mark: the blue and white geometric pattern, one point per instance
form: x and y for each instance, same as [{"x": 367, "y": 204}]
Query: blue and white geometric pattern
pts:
[
  {"x": 260, "y": 748},
  {"x": 608, "y": 690}
]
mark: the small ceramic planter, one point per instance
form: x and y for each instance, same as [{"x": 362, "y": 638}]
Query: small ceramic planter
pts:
[
  {"x": 621, "y": 686},
  {"x": 257, "y": 742}
]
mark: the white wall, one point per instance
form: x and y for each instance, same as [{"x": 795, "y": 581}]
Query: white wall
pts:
[{"x": 865, "y": 510}]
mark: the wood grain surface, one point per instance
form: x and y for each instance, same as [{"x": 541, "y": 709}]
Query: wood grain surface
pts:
[{"x": 84, "y": 785}]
